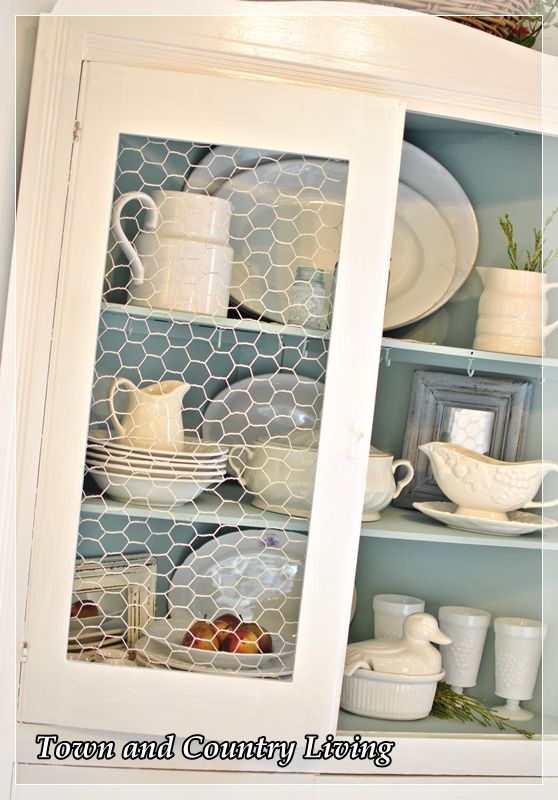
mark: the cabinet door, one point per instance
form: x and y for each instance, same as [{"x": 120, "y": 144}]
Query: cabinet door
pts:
[{"x": 137, "y": 125}]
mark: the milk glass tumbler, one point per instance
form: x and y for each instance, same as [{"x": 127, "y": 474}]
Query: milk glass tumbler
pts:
[
  {"x": 518, "y": 656},
  {"x": 467, "y": 628},
  {"x": 390, "y": 612}
]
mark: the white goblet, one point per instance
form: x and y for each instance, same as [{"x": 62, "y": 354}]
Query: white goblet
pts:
[
  {"x": 461, "y": 659},
  {"x": 518, "y": 656},
  {"x": 391, "y": 611}
]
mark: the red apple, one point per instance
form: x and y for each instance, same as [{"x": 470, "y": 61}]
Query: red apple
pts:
[
  {"x": 226, "y": 623},
  {"x": 84, "y": 608},
  {"x": 202, "y": 634},
  {"x": 265, "y": 644},
  {"x": 242, "y": 640}
]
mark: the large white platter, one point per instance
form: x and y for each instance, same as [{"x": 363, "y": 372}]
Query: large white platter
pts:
[
  {"x": 256, "y": 574},
  {"x": 248, "y": 166},
  {"x": 273, "y": 404},
  {"x": 151, "y": 652}
]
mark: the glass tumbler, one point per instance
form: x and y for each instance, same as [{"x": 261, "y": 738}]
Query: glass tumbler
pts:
[
  {"x": 467, "y": 628},
  {"x": 390, "y": 612},
  {"x": 518, "y": 656}
]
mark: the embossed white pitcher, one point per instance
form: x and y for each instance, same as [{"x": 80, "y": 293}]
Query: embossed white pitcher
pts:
[
  {"x": 513, "y": 311},
  {"x": 153, "y": 418}
]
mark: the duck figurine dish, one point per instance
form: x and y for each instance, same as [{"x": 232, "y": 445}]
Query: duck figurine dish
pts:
[
  {"x": 412, "y": 655},
  {"x": 484, "y": 487}
]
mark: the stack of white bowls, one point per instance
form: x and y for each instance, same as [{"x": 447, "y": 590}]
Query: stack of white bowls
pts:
[{"x": 154, "y": 477}]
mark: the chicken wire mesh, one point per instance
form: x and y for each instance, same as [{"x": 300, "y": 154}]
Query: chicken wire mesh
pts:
[{"x": 205, "y": 408}]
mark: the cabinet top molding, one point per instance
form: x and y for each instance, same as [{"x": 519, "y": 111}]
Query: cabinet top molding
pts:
[{"x": 437, "y": 66}]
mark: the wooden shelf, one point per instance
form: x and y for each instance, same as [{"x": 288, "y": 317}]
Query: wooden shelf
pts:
[
  {"x": 400, "y": 523},
  {"x": 230, "y": 505},
  {"x": 397, "y": 350},
  {"x": 133, "y": 312},
  {"x": 432, "y": 726},
  {"x": 410, "y": 352}
]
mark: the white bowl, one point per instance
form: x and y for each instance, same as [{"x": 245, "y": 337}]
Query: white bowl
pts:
[
  {"x": 171, "y": 633},
  {"x": 148, "y": 491},
  {"x": 377, "y": 694},
  {"x": 281, "y": 477}
]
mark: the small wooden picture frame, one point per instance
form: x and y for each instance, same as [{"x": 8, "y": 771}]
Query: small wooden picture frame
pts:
[{"x": 485, "y": 414}]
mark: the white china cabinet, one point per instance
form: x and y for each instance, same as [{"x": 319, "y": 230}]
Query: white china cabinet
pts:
[{"x": 132, "y": 104}]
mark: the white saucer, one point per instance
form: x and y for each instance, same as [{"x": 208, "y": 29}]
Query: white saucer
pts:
[{"x": 519, "y": 522}]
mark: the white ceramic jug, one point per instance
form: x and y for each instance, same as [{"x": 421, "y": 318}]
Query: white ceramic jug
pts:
[
  {"x": 176, "y": 219},
  {"x": 153, "y": 418},
  {"x": 183, "y": 275},
  {"x": 513, "y": 311}
]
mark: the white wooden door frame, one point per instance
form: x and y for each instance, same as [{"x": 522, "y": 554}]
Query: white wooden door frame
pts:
[{"x": 368, "y": 133}]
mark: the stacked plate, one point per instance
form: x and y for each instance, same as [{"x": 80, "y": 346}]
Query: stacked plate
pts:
[{"x": 151, "y": 476}]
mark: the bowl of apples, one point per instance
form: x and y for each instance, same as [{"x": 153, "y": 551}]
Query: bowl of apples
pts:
[{"x": 225, "y": 642}]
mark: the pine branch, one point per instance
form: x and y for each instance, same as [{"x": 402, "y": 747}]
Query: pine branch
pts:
[{"x": 450, "y": 705}]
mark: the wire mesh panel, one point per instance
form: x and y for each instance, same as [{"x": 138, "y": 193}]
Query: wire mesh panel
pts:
[{"x": 206, "y": 405}]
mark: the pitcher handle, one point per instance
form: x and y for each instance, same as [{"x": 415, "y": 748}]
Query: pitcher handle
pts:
[
  {"x": 152, "y": 218},
  {"x": 234, "y": 457},
  {"x": 547, "y": 329},
  {"x": 408, "y": 477},
  {"x": 117, "y": 382},
  {"x": 547, "y": 503}
]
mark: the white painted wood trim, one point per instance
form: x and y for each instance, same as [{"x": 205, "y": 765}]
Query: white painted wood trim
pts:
[
  {"x": 438, "y": 67},
  {"x": 487, "y": 755},
  {"x": 40, "y": 216},
  {"x": 44, "y": 774}
]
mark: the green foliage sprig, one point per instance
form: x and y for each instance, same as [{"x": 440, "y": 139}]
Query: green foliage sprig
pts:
[
  {"x": 533, "y": 260},
  {"x": 544, "y": 14},
  {"x": 450, "y": 705}
]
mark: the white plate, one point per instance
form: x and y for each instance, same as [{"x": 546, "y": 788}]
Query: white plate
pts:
[
  {"x": 82, "y": 628},
  {"x": 192, "y": 447},
  {"x": 119, "y": 467},
  {"x": 256, "y": 574},
  {"x": 152, "y": 653},
  {"x": 419, "y": 171},
  {"x": 423, "y": 259},
  {"x": 140, "y": 460},
  {"x": 519, "y": 522},
  {"x": 169, "y": 633},
  {"x": 274, "y": 404},
  {"x": 147, "y": 491},
  {"x": 270, "y": 209}
]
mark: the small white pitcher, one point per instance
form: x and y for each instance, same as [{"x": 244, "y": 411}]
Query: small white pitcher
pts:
[
  {"x": 513, "y": 310},
  {"x": 153, "y": 418}
]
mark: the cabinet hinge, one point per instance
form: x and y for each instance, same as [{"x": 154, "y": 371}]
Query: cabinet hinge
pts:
[
  {"x": 77, "y": 130},
  {"x": 23, "y": 652}
]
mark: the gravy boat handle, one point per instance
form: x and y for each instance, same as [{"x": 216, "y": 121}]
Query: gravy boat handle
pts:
[{"x": 547, "y": 503}]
